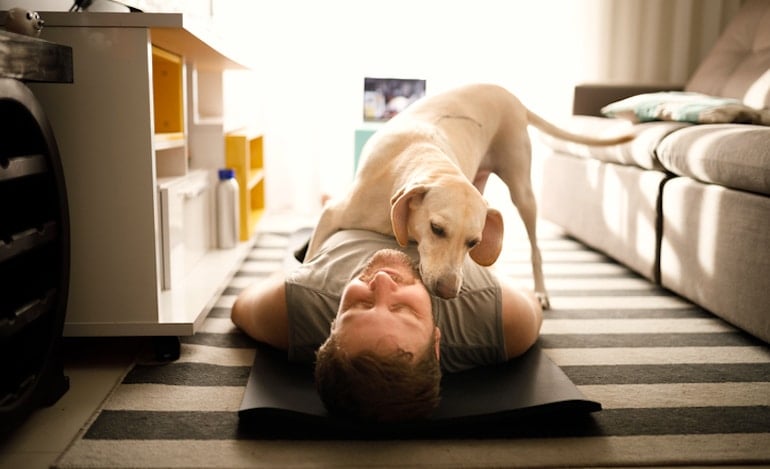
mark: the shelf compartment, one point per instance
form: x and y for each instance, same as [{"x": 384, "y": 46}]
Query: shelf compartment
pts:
[
  {"x": 244, "y": 152},
  {"x": 171, "y": 161},
  {"x": 256, "y": 194},
  {"x": 169, "y": 139},
  {"x": 255, "y": 177},
  {"x": 27, "y": 240},
  {"x": 29, "y": 202},
  {"x": 27, "y": 314},
  {"x": 168, "y": 91},
  {"x": 28, "y": 279},
  {"x": 20, "y": 166}
]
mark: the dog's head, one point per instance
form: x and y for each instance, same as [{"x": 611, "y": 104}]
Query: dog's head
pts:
[{"x": 447, "y": 221}]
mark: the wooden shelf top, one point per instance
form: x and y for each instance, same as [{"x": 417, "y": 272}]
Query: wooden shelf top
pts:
[{"x": 175, "y": 32}]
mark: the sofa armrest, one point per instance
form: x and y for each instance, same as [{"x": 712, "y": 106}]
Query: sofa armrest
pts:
[{"x": 590, "y": 98}]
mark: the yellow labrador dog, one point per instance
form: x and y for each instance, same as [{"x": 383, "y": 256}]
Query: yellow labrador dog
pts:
[{"x": 423, "y": 174}]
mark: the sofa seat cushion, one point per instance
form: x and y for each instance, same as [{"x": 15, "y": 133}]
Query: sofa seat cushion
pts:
[
  {"x": 638, "y": 152},
  {"x": 732, "y": 155},
  {"x": 715, "y": 251},
  {"x": 610, "y": 207}
]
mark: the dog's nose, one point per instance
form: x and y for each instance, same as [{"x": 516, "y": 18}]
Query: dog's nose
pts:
[{"x": 447, "y": 289}]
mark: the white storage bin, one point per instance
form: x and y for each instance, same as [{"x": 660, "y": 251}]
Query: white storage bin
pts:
[{"x": 185, "y": 225}]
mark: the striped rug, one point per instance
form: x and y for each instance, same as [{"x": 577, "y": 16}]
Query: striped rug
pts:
[{"x": 678, "y": 386}]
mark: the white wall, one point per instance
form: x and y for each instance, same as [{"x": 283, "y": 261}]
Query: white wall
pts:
[{"x": 311, "y": 58}]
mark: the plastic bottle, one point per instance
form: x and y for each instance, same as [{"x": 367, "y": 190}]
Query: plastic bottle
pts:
[{"x": 227, "y": 209}]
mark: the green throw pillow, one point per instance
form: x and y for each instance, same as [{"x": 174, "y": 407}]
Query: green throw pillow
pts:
[{"x": 685, "y": 106}]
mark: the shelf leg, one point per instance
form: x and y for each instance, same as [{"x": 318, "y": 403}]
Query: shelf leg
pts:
[{"x": 167, "y": 348}]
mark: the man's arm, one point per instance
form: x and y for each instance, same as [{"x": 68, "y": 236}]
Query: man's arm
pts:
[
  {"x": 522, "y": 317},
  {"x": 260, "y": 311}
]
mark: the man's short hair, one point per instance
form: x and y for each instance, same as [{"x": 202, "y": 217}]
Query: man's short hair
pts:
[{"x": 374, "y": 387}]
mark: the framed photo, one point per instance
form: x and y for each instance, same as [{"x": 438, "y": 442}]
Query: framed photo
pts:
[{"x": 386, "y": 97}]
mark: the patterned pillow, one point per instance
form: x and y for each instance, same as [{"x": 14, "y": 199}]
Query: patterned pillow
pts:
[{"x": 685, "y": 106}]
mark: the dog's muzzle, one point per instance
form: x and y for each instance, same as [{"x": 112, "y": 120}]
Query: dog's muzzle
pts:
[{"x": 447, "y": 288}]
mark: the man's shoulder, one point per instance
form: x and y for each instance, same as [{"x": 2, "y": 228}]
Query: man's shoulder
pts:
[
  {"x": 359, "y": 234},
  {"x": 357, "y": 242}
]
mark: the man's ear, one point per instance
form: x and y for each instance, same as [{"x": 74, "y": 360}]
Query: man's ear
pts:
[
  {"x": 399, "y": 210},
  {"x": 486, "y": 252}
]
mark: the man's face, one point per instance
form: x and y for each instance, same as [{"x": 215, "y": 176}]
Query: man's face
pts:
[{"x": 386, "y": 308}]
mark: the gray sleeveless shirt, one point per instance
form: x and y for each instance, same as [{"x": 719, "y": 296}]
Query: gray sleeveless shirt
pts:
[{"x": 470, "y": 324}]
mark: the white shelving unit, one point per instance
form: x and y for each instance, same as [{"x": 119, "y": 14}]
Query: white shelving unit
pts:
[{"x": 140, "y": 266}]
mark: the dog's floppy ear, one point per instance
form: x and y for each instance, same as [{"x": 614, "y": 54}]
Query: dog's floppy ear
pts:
[
  {"x": 399, "y": 210},
  {"x": 486, "y": 252}
]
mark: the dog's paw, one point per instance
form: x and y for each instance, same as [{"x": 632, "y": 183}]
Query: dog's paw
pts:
[{"x": 542, "y": 297}]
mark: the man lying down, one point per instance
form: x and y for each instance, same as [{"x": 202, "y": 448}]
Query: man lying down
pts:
[{"x": 379, "y": 340}]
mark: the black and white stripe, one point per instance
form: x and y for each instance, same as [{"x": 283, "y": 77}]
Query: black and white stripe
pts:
[{"x": 677, "y": 384}]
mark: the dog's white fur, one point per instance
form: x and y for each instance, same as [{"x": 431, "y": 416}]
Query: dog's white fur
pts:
[{"x": 423, "y": 173}]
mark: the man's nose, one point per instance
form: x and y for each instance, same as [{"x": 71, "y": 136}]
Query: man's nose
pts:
[{"x": 381, "y": 284}]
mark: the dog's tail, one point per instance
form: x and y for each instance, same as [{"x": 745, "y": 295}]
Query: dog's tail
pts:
[{"x": 550, "y": 129}]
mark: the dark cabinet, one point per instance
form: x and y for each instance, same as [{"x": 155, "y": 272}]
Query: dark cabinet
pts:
[{"x": 34, "y": 233}]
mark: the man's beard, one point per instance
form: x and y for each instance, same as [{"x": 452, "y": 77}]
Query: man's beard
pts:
[{"x": 401, "y": 267}]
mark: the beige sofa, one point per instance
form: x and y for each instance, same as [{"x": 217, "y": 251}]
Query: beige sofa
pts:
[{"x": 685, "y": 205}]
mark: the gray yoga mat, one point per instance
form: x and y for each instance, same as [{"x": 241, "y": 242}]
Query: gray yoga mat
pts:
[{"x": 527, "y": 395}]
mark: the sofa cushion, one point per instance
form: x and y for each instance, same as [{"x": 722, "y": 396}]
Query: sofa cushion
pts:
[
  {"x": 738, "y": 66},
  {"x": 715, "y": 251},
  {"x": 638, "y": 152},
  {"x": 732, "y": 155},
  {"x": 610, "y": 207},
  {"x": 685, "y": 106}
]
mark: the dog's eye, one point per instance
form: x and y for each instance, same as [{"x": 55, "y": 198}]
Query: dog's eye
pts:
[
  {"x": 437, "y": 230},
  {"x": 473, "y": 243}
]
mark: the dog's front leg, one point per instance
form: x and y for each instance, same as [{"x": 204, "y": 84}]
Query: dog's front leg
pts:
[{"x": 528, "y": 211}]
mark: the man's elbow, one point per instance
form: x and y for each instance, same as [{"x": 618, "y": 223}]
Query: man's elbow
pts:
[
  {"x": 525, "y": 321},
  {"x": 238, "y": 312}
]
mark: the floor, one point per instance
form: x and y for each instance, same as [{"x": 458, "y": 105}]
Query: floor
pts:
[{"x": 94, "y": 366}]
